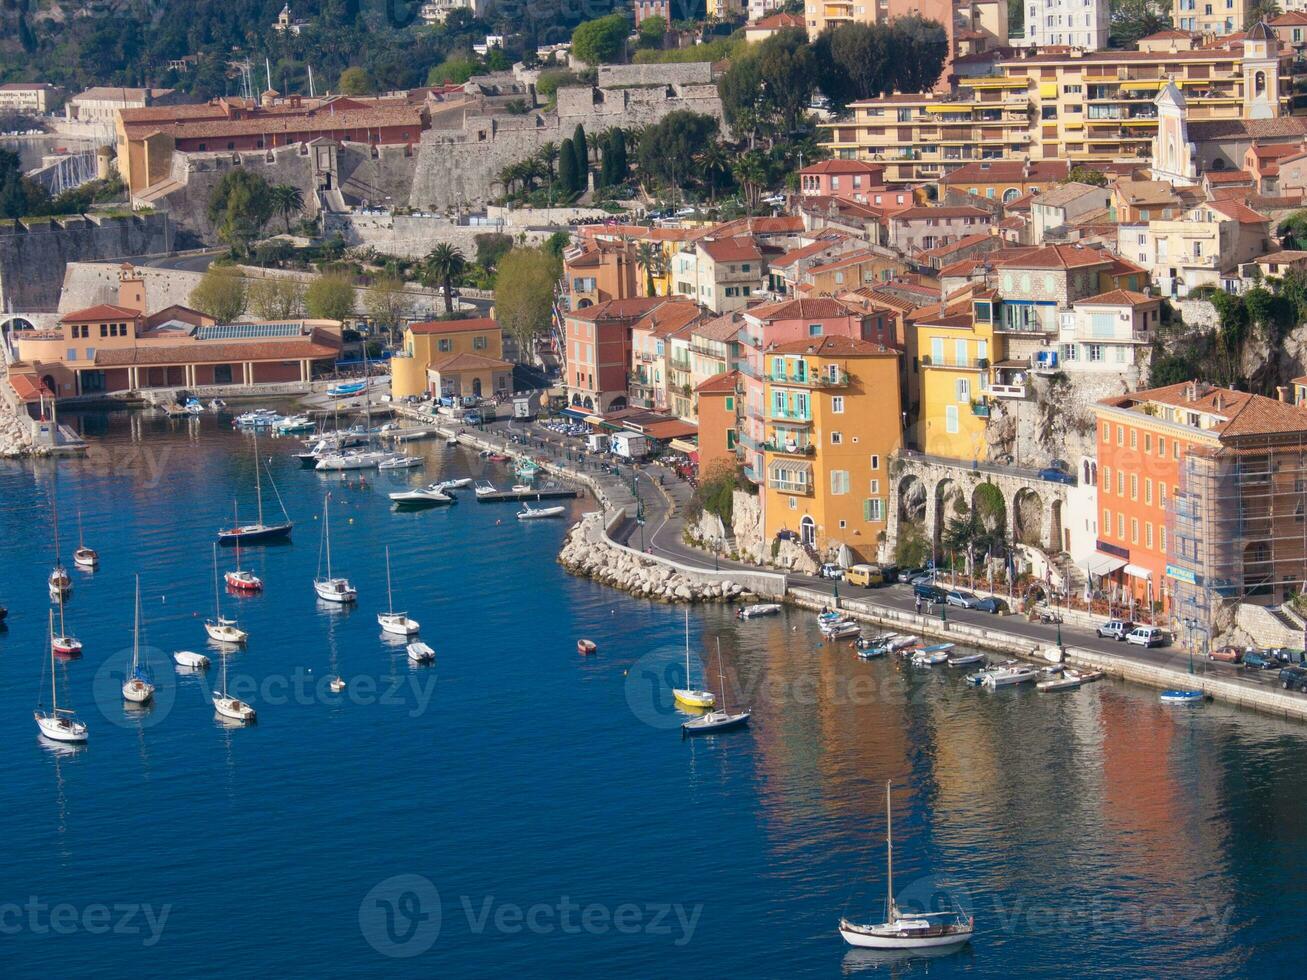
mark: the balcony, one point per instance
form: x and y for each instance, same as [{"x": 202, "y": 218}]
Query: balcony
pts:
[
  {"x": 980, "y": 409},
  {"x": 789, "y": 415},
  {"x": 839, "y": 379},
  {"x": 955, "y": 363},
  {"x": 790, "y": 448}
]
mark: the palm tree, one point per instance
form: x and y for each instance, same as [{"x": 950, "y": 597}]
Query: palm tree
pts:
[
  {"x": 1259, "y": 10},
  {"x": 650, "y": 257},
  {"x": 715, "y": 162},
  {"x": 441, "y": 267},
  {"x": 287, "y": 199},
  {"x": 531, "y": 171},
  {"x": 594, "y": 143},
  {"x": 750, "y": 171},
  {"x": 548, "y": 155},
  {"x": 507, "y": 177}
]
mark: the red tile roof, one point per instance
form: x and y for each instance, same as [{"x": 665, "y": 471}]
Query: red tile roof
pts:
[
  {"x": 427, "y": 327},
  {"x": 669, "y": 318},
  {"x": 731, "y": 249},
  {"x": 1239, "y": 212},
  {"x": 304, "y": 348},
  {"x": 102, "y": 311},
  {"x": 1228, "y": 177},
  {"x": 840, "y": 167},
  {"x": 1244, "y": 414},
  {"x": 1007, "y": 171},
  {"x": 1118, "y": 297},
  {"x": 958, "y": 211},
  {"x": 1052, "y": 257},
  {"x": 468, "y": 361},
  {"x": 778, "y": 22},
  {"x": 799, "y": 309},
  {"x": 720, "y": 384},
  {"x": 618, "y": 309},
  {"x": 834, "y": 346}
]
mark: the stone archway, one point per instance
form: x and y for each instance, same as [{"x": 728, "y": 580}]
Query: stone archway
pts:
[
  {"x": 989, "y": 505},
  {"x": 949, "y": 502},
  {"x": 1028, "y": 518}
]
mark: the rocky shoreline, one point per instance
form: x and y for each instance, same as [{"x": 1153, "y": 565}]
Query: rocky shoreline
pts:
[{"x": 588, "y": 553}]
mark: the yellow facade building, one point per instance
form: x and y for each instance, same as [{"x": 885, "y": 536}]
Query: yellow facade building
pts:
[
  {"x": 832, "y": 422},
  {"x": 956, "y": 350},
  {"x": 452, "y": 358}
]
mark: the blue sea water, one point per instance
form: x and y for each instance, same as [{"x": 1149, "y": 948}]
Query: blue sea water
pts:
[{"x": 518, "y": 809}]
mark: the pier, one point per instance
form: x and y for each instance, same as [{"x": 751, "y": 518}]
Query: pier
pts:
[{"x": 554, "y": 493}]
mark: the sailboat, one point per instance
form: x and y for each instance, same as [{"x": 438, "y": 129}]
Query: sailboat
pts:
[
  {"x": 258, "y": 531},
  {"x": 228, "y": 706},
  {"x": 64, "y": 644},
  {"x": 59, "y": 724},
  {"x": 687, "y": 695},
  {"x": 61, "y": 584},
  {"x": 331, "y": 588},
  {"x": 718, "y": 720},
  {"x": 84, "y": 557},
  {"x": 391, "y": 621},
  {"x": 238, "y": 578},
  {"x": 221, "y": 628},
  {"x": 906, "y": 930},
  {"x": 139, "y": 685}
]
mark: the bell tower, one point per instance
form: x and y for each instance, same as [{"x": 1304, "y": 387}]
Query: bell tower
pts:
[{"x": 1261, "y": 72}]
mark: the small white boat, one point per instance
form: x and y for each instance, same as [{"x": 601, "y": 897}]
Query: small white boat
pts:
[
  {"x": 58, "y": 724},
  {"x": 337, "y": 684},
  {"x": 906, "y": 930},
  {"x": 1009, "y": 676},
  {"x": 1069, "y": 681},
  {"x": 484, "y": 489},
  {"x": 529, "y": 513},
  {"x": 444, "y": 486},
  {"x": 332, "y": 588},
  {"x": 1181, "y": 697},
  {"x": 60, "y": 582},
  {"x": 220, "y": 628},
  {"x": 191, "y": 660},
  {"x": 139, "y": 685},
  {"x": 451, "y": 440},
  {"x": 397, "y": 623},
  {"x": 426, "y": 496},
  {"x": 229, "y": 707},
  {"x": 759, "y": 609},
  {"x": 85, "y": 557},
  {"x": 929, "y": 658},
  {"x": 523, "y": 488},
  {"x": 420, "y": 653},
  {"x": 358, "y": 460},
  {"x": 964, "y": 659},
  {"x": 402, "y": 463}
]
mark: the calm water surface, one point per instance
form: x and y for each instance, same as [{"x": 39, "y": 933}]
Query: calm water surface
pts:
[{"x": 540, "y": 810}]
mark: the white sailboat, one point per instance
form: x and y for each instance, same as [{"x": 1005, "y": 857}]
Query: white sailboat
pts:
[
  {"x": 61, "y": 583},
  {"x": 688, "y": 695},
  {"x": 84, "y": 557},
  {"x": 221, "y": 628},
  {"x": 909, "y": 930},
  {"x": 719, "y": 719},
  {"x": 332, "y": 588},
  {"x": 58, "y": 724},
  {"x": 392, "y": 621},
  {"x": 139, "y": 685},
  {"x": 228, "y": 706},
  {"x": 64, "y": 644}
]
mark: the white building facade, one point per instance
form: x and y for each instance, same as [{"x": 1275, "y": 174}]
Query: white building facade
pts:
[{"x": 1079, "y": 23}]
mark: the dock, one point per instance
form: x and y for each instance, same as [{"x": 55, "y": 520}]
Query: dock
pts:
[{"x": 554, "y": 493}]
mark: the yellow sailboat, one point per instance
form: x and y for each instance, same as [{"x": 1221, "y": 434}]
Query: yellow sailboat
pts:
[{"x": 688, "y": 696}]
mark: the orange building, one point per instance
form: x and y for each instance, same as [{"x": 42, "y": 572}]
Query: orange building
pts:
[
  {"x": 599, "y": 271},
  {"x": 719, "y": 399},
  {"x": 1202, "y": 494}
]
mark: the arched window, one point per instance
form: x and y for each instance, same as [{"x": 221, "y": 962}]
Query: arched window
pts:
[
  {"x": 808, "y": 532},
  {"x": 1259, "y": 83}
]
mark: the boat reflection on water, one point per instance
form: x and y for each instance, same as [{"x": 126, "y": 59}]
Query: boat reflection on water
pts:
[{"x": 861, "y": 960}]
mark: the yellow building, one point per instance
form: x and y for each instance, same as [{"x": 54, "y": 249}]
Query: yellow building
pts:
[
  {"x": 956, "y": 349},
  {"x": 1218, "y": 17},
  {"x": 451, "y": 358},
  {"x": 832, "y": 422},
  {"x": 1086, "y": 107}
]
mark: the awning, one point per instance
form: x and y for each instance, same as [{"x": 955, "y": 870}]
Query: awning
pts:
[
  {"x": 791, "y": 466},
  {"x": 684, "y": 446},
  {"x": 1101, "y": 564},
  {"x": 1138, "y": 571},
  {"x": 594, "y": 419}
]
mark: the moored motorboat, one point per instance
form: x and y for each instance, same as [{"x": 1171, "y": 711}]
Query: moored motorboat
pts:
[
  {"x": 190, "y": 659},
  {"x": 422, "y": 497},
  {"x": 529, "y": 513},
  {"x": 1009, "y": 676},
  {"x": 484, "y": 489},
  {"x": 758, "y": 609},
  {"x": 401, "y": 462},
  {"x": 1182, "y": 697},
  {"x": 458, "y": 483},
  {"x": 929, "y": 658},
  {"x": 964, "y": 659},
  {"x": 420, "y": 653}
]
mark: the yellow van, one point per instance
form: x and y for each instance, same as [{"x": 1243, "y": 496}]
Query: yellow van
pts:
[{"x": 865, "y": 576}]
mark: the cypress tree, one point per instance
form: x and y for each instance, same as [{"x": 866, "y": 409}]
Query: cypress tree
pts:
[
  {"x": 567, "y": 173},
  {"x": 582, "y": 151},
  {"x": 617, "y": 150}
]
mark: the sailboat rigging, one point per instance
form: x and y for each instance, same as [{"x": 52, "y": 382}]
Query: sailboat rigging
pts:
[
  {"x": 139, "y": 685},
  {"x": 258, "y": 531},
  {"x": 220, "y": 628},
  {"x": 332, "y": 588},
  {"x": 58, "y": 724}
]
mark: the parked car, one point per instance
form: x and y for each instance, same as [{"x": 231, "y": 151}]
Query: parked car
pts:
[
  {"x": 1148, "y": 636},
  {"x": 1290, "y": 655},
  {"x": 865, "y": 576},
  {"x": 1229, "y": 654},
  {"x": 831, "y": 570},
  {"x": 1054, "y": 475},
  {"x": 962, "y": 599},
  {"x": 1259, "y": 660},
  {"x": 922, "y": 578},
  {"x": 890, "y": 573},
  {"x": 931, "y": 593},
  {"x": 992, "y": 604},
  {"x": 1294, "y": 678},
  {"x": 1116, "y": 629}
]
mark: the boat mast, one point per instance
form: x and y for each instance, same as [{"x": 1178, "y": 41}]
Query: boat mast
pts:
[
  {"x": 891, "y": 912},
  {"x": 62, "y": 630},
  {"x": 326, "y": 528},
  {"x": 258, "y": 483},
  {"x": 136, "y": 629},
  {"x": 54, "y": 688},
  {"x": 721, "y": 673},
  {"x": 687, "y": 648},
  {"x": 217, "y": 601},
  {"x": 390, "y": 600}
]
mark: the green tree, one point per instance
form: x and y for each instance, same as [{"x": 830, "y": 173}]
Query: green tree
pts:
[
  {"x": 387, "y": 302},
  {"x": 601, "y": 41},
  {"x": 581, "y": 147},
  {"x": 276, "y": 298},
  {"x": 768, "y": 89},
  {"x": 650, "y": 258},
  {"x": 1258, "y": 10},
  {"x": 617, "y": 150},
  {"x": 651, "y": 32},
  {"x": 1086, "y": 175},
  {"x": 443, "y": 265},
  {"x": 1133, "y": 19},
  {"x": 548, "y": 156},
  {"x": 568, "y": 176},
  {"x": 286, "y": 200},
  {"x": 1016, "y": 18},
  {"x": 330, "y": 296},
  {"x": 524, "y": 294},
  {"x": 492, "y": 246},
  {"x": 750, "y": 171},
  {"x": 354, "y": 81},
  {"x": 454, "y": 70},
  {"x": 667, "y": 148},
  {"x": 714, "y": 166},
  {"x": 221, "y": 293},
  {"x": 239, "y": 206}
]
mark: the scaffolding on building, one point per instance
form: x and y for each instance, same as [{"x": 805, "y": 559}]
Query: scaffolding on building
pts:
[{"x": 1237, "y": 528}]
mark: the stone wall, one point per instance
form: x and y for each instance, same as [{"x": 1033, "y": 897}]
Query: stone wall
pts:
[
  {"x": 34, "y": 253},
  {"x": 678, "y": 73},
  {"x": 414, "y": 235},
  {"x": 1198, "y": 313}
]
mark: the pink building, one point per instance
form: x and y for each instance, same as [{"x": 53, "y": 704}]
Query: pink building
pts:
[
  {"x": 848, "y": 180},
  {"x": 598, "y": 355}
]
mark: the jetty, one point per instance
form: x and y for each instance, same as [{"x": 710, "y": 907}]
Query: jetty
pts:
[{"x": 545, "y": 493}]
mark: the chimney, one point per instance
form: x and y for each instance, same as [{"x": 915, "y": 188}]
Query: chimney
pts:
[{"x": 1282, "y": 393}]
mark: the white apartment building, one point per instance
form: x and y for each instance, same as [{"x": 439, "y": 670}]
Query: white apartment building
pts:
[{"x": 1079, "y": 23}]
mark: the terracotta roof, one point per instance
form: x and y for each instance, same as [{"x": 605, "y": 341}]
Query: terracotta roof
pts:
[
  {"x": 1290, "y": 18},
  {"x": 1066, "y": 193},
  {"x": 427, "y": 327},
  {"x": 1052, "y": 257},
  {"x": 720, "y": 384},
  {"x": 28, "y": 387},
  {"x": 1228, "y": 177},
  {"x": 819, "y": 308},
  {"x": 777, "y": 224},
  {"x": 215, "y": 353},
  {"x": 102, "y": 311},
  {"x": 958, "y": 211},
  {"x": 809, "y": 250},
  {"x": 1202, "y": 130},
  {"x": 1004, "y": 171},
  {"x": 1146, "y": 193},
  {"x": 1241, "y": 413},
  {"x": 669, "y": 429},
  {"x": 1239, "y": 212},
  {"x": 840, "y": 167},
  {"x": 723, "y": 328},
  {"x": 778, "y": 22},
  {"x": 844, "y": 261},
  {"x": 1118, "y": 297},
  {"x": 731, "y": 249},
  {"x": 1283, "y": 257},
  {"x": 468, "y": 361},
  {"x": 618, "y": 309},
  {"x": 966, "y": 241},
  {"x": 836, "y": 346},
  {"x": 1166, "y": 35},
  {"x": 669, "y": 318}
]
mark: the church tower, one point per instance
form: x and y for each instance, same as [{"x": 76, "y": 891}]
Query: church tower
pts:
[
  {"x": 1173, "y": 154},
  {"x": 1261, "y": 72}
]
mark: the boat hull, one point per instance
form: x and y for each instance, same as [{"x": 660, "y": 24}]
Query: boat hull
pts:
[
  {"x": 66, "y": 646},
  {"x": 710, "y": 726},
  {"x": 187, "y": 658},
  {"x": 232, "y": 708},
  {"x": 255, "y": 533},
  {"x": 61, "y": 729},
  {"x": 225, "y": 634},
  {"x": 420, "y": 653},
  {"x": 695, "y": 699},
  {"x": 397, "y": 625},
  {"x": 138, "y": 691},
  {"x": 328, "y": 591},
  {"x": 243, "y": 583},
  {"x": 868, "y": 940}
]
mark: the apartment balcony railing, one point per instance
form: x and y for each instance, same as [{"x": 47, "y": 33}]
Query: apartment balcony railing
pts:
[
  {"x": 679, "y": 364},
  {"x": 955, "y": 363},
  {"x": 789, "y": 415},
  {"x": 980, "y": 409},
  {"x": 790, "y": 486},
  {"x": 1006, "y": 391},
  {"x": 812, "y": 380},
  {"x": 790, "y": 448}
]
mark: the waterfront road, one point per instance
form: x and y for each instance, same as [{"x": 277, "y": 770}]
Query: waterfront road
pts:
[{"x": 663, "y": 498}]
